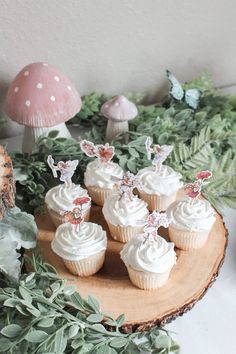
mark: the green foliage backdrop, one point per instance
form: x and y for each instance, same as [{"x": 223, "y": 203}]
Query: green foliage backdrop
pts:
[{"x": 205, "y": 138}]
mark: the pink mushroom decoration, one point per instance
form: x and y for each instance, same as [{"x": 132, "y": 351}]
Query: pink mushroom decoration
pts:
[
  {"x": 118, "y": 110},
  {"x": 42, "y": 99}
]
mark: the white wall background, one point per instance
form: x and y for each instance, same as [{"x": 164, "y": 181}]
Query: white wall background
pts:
[{"x": 119, "y": 45}]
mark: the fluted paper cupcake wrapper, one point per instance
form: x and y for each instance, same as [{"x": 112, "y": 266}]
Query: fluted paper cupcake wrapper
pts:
[
  {"x": 124, "y": 233},
  {"x": 186, "y": 239},
  {"x": 99, "y": 195},
  {"x": 86, "y": 267},
  {"x": 157, "y": 202},
  {"x": 58, "y": 219},
  {"x": 148, "y": 281}
]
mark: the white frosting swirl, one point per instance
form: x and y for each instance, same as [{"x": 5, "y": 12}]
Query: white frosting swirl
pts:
[
  {"x": 196, "y": 216},
  {"x": 99, "y": 174},
  {"x": 76, "y": 245},
  {"x": 150, "y": 256},
  {"x": 163, "y": 182},
  {"x": 124, "y": 212},
  {"x": 60, "y": 198}
]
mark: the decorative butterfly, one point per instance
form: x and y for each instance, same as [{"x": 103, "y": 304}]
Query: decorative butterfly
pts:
[
  {"x": 154, "y": 221},
  {"x": 160, "y": 152},
  {"x": 193, "y": 190},
  {"x": 190, "y": 96},
  {"x": 104, "y": 153}
]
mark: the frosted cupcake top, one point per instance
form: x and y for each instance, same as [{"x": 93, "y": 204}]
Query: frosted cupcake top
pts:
[
  {"x": 99, "y": 174},
  {"x": 73, "y": 245},
  {"x": 61, "y": 197},
  {"x": 165, "y": 181},
  {"x": 197, "y": 215},
  {"x": 154, "y": 256},
  {"x": 124, "y": 212}
]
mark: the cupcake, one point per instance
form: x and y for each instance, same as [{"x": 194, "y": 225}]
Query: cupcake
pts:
[
  {"x": 125, "y": 213},
  {"x": 60, "y": 199},
  {"x": 97, "y": 177},
  {"x": 81, "y": 248},
  {"x": 149, "y": 259},
  {"x": 191, "y": 218},
  {"x": 159, "y": 183}
]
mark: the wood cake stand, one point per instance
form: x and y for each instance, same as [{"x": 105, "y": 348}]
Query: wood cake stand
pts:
[{"x": 190, "y": 278}]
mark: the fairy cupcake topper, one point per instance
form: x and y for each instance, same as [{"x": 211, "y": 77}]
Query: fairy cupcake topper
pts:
[
  {"x": 104, "y": 153},
  {"x": 154, "y": 221},
  {"x": 126, "y": 184},
  {"x": 75, "y": 216},
  {"x": 160, "y": 152},
  {"x": 193, "y": 189},
  {"x": 66, "y": 169}
]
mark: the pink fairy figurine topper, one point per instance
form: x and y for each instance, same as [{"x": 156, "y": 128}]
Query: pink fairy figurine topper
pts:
[
  {"x": 153, "y": 222},
  {"x": 160, "y": 152},
  {"x": 126, "y": 184},
  {"x": 66, "y": 169},
  {"x": 75, "y": 215},
  {"x": 104, "y": 153},
  {"x": 193, "y": 189}
]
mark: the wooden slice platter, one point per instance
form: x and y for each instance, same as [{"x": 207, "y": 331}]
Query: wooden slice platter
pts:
[{"x": 193, "y": 274}]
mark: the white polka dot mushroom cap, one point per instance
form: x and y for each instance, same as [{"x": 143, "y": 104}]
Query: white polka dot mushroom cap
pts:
[
  {"x": 119, "y": 109},
  {"x": 41, "y": 96}
]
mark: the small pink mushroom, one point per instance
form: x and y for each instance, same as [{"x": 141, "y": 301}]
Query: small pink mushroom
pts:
[
  {"x": 42, "y": 99},
  {"x": 119, "y": 110}
]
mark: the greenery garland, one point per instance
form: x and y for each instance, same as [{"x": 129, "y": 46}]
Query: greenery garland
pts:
[
  {"x": 205, "y": 138},
  {"x": 41, "y": 315}
]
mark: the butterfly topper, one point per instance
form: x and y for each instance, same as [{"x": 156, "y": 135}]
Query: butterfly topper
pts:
[
  {"x": 154, "y": 221},
  {"x": 193, "y": 190},
  {"x": 75, "y": 215},
  {"x": 66, "y": 169},
  {"x": 160, "y": 152},
  {"x": 126, "y": 184},
  {"x": 190, "y": 96},
  {"x": 104, "y": 153}
]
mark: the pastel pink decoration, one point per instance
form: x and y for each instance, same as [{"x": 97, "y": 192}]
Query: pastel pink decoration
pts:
[
  {"x": 41, "y": 96},
  {"x": 42, "y": 99},
  {"x": 118, "y": 110},
  {"x": 204, "y": 174},
  {"x": 193, "y": 190},
  {"x": 104, "y": 153}
]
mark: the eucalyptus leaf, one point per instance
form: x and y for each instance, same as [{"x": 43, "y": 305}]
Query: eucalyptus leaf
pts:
[
  {"x": 36, "y": 336},
  {"x": 11, "y": 331},
  {"x": 118, "y": 342},
  {"x": 94, "y": 318},
  {"x": 5, "y": 344},
  {"x": 93, "y": 303},
  {"x": 46, "y": 322}
]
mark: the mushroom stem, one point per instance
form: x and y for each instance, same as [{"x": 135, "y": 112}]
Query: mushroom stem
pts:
[
  {"x": 31, "y": 135},
  {"x": 115, "y": 128}
]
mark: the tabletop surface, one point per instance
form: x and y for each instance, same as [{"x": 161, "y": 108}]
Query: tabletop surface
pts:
[{"x": 209, "y": 327}]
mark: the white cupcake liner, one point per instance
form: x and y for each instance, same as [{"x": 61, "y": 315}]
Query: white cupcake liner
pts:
[
  {"x": 186, "y": 239},
  {"x": 124, "y": 233},
  {"x": 99, "y": 195},
  {"x": 148, "y": 281},
  {"x": 158, "y": 202},
  {"x": 86, "y": 267}
]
